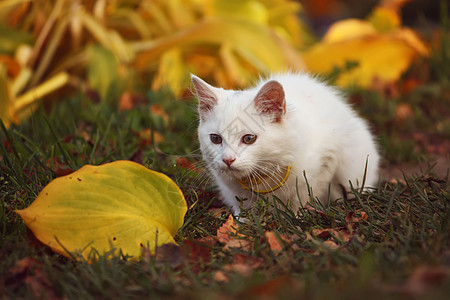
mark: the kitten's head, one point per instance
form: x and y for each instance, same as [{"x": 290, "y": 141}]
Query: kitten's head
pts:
[{"x": 241, "y": 132}]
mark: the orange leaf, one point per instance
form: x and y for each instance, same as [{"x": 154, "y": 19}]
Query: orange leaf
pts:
[
  {"x": 228, "y": 235},
  {"x": 274, "y": 242},
  {"x": 185, "y": 164},
  {"x": 272, "y": 287},
  {"x": 126, "y": 102},
  {"x": 12, "y": 66},
  {"x": 158, "y": 110},
  {"x": 225, "y": 232},
  {"x": 403, "y": 112},
  {"x": 327, "y": 233},
  {"x": 149, "y": 135}
]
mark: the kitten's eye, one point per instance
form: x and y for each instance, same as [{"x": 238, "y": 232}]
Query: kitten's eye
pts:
[
  {"x": 249, "y": 139},
  {"x": 215, "y": 138}
]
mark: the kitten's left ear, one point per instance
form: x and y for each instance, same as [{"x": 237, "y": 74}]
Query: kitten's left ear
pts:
[
  {"x": 270, "y": 100},
  {"x": 205, "y": 95}
]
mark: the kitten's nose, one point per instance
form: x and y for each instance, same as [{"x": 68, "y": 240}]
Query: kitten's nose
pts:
[{"x": 228, "y": 161}]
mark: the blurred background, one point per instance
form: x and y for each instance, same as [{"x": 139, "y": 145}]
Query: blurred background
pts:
[{"x": 117, "y": 49}]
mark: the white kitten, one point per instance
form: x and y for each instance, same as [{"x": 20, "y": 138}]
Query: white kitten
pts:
[{"x": 262, "y": 141}]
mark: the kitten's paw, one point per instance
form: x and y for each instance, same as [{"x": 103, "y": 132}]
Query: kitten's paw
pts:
[{"x": 241, "y": 220}]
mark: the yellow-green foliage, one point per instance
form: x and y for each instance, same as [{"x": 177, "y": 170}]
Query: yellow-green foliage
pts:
[{"x": 119, "y": 205}]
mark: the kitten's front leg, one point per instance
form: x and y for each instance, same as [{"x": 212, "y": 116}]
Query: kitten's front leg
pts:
[
  {"x": 229, "y": 198},
  {"x": 321, "y": 179}
]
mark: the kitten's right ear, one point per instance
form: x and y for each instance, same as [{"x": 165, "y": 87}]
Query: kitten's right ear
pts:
[{"x": 205, "y": 95}]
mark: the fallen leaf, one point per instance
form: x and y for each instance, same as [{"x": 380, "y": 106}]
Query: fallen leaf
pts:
[
  {"x": 331, "y": 244},
  {"x": 243, "y": 265},
  {"x": 251, "y": 261},
  {"x": 427, "y": 276},
  {"x": 58, "y": 167},
  {"x": 312, "y": 209},
  {"x": 226, "y": 232},
  {"x": 198, "y": 252},
  {"x": 116, "y": 205},
  {"x": 423, "y": 279},
  {"x": 274, "y": 243},
  {"x": 333, "y": 234},
  {"x": 158, "y": 110},
  {"x": 138, "y": 156},
  {"x": 28, "y": 270},
  {"x": 364, "y": 215},
  {"x": 270, "y": 288},
  {"x": 126, "y": 101},
  {"x": 185, "y": 164},
  {"x": 228, "y": 235},
  {"x": 403, "y": 112},
  {"x": 150, "y": 135},
  {"x": 240, "y": 268},
  {"x": 220, "y": 276},
  {"x": 170, "y": 255}
]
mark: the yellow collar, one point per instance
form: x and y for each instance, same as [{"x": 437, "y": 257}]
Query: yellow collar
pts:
[{"x": 244, "y": 183}]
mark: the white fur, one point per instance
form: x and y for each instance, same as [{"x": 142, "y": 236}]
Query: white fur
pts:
[{"x": 320, "y": 135}]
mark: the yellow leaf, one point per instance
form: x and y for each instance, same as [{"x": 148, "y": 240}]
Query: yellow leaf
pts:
[
  {"x": 116, "y": 205},
  {"x": 347, "y": 30},
  {"x": 31, "y": 96},
  {"x": 384, "y": 19},
  {"x": 172, "y": 72},
  {"x": 249, "y": 10},
  {"x": 379, "y": 56},
  {"x": 109, "y": 39},
  {"x": 6, "y": 104},
  {"x": 259, "y": 46},
  {"x": 102, "y": 69}
]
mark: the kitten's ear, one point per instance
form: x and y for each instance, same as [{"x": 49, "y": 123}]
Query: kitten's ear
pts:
[
  {"x": 270, "y": 100},
  {"x": 205, "y": 95}
]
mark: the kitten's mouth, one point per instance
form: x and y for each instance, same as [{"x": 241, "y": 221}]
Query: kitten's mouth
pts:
[
  {"x": 235, "y": 172},
  {"x": 245, "y": 175}
]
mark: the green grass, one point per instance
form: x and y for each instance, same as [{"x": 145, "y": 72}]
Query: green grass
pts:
[
  {"x": 407, "y": 225},
  {"x": 400, "y": 250}
]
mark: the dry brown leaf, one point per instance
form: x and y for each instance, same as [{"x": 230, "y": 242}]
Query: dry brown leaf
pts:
[
  {"x": 427, "y": 276},
  {"x": 198, "y": 252},
  {"x": 29, "y": 270},
  {"x": 422, "y": 279},
  {"x": 243, "y": 265},
  {"x": 252, "y": 261},
  {"x": 149, "y": 136},
  {"x": 331, "y": 244},
  {"x": 158, "y": 110},
  {"x": 312, "y": 209},
  {"x": 184, "y": 163},
  {"x": 220, "y": 276},
  {"x": 227, "y": 230},
  {"x": 228, "y": 235},
  {"x": 364, "y": 215},
  {"x": 271, "y": 288},
  {"x": 352, "y": 217},
  {"x": 241, "y": 269},
  {"x": 274, "y": 243},
  {"x": 403, "y": 112},
  {"x": 126, "y": 102},
  {"x": 341, "y": 234}
]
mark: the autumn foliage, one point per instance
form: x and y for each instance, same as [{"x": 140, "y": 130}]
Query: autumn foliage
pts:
[{"x": 111, "y": 47}]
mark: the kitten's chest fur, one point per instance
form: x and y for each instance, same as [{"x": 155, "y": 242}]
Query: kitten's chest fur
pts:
[{"x": 289, "y": 121}]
